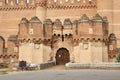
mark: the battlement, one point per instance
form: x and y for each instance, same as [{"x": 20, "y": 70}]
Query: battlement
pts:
[
  {"x": 51, "y": 4},
  {"x": 58, "y": 4},
  {"x": 20, "y": 4}
]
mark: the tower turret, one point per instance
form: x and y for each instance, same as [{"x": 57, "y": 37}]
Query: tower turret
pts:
[
  {"x": 36, "y": 28},
  {"x": 67, "y": 30},
  {"x": 83, "y": 26},
  {"x": 98, "y": 25},
  {"x": 112, "y": 48},
  {"x": 57, "y": 27},
  {"x": 47, "y": 29},
  {"x": 23, "y": 28}
]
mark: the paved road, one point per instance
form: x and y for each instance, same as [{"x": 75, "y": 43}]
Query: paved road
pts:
[{"x": 64, "y": 75}]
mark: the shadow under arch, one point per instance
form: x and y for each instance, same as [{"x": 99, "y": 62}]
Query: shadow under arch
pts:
[{"x": 62, "y": 56}]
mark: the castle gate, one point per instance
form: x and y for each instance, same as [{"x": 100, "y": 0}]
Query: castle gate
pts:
[{"x": 62, "y": 56}]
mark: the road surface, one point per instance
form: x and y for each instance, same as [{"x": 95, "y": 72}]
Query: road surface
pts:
[{"x": 84, "y": 74}]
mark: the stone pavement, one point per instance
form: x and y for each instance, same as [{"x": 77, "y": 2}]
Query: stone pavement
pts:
[{"x": 84, "y": 74}]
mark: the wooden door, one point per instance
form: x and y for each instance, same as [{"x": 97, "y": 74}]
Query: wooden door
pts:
[{"x": 62, "y": 56}]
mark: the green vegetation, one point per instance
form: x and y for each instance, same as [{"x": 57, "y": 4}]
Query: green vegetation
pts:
[{"x": 118, "y": 58}]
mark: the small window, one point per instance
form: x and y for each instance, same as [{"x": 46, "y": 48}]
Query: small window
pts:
[
  {"x": 15, "y": 49},
  {"x": 54, "y": 27},
  {"x": 111, "y": 47},
  {"x": 85, "y": 45},
  {"x": 90, "y": 30},
  {"x": 31, "y": 31}
]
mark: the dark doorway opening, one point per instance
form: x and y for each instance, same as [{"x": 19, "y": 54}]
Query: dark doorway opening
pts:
[{"x": 62, "y": 56}]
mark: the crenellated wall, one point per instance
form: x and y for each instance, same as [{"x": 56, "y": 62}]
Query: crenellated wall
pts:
[
  {"x": 71, "y": 9},
  {"x": 21, "y": 4},
  {"x": 14, "y": 4},
  {"x": 48, "y": 2},
  {"x": 63, "y": 4}
]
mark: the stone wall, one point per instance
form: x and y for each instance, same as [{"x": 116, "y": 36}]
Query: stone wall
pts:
[
  {"x": 87, "y": 52},
  {"x": 34, "y": 53}
]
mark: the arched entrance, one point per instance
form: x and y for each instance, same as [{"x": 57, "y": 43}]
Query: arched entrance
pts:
[{"x": 62, "y": 56}]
